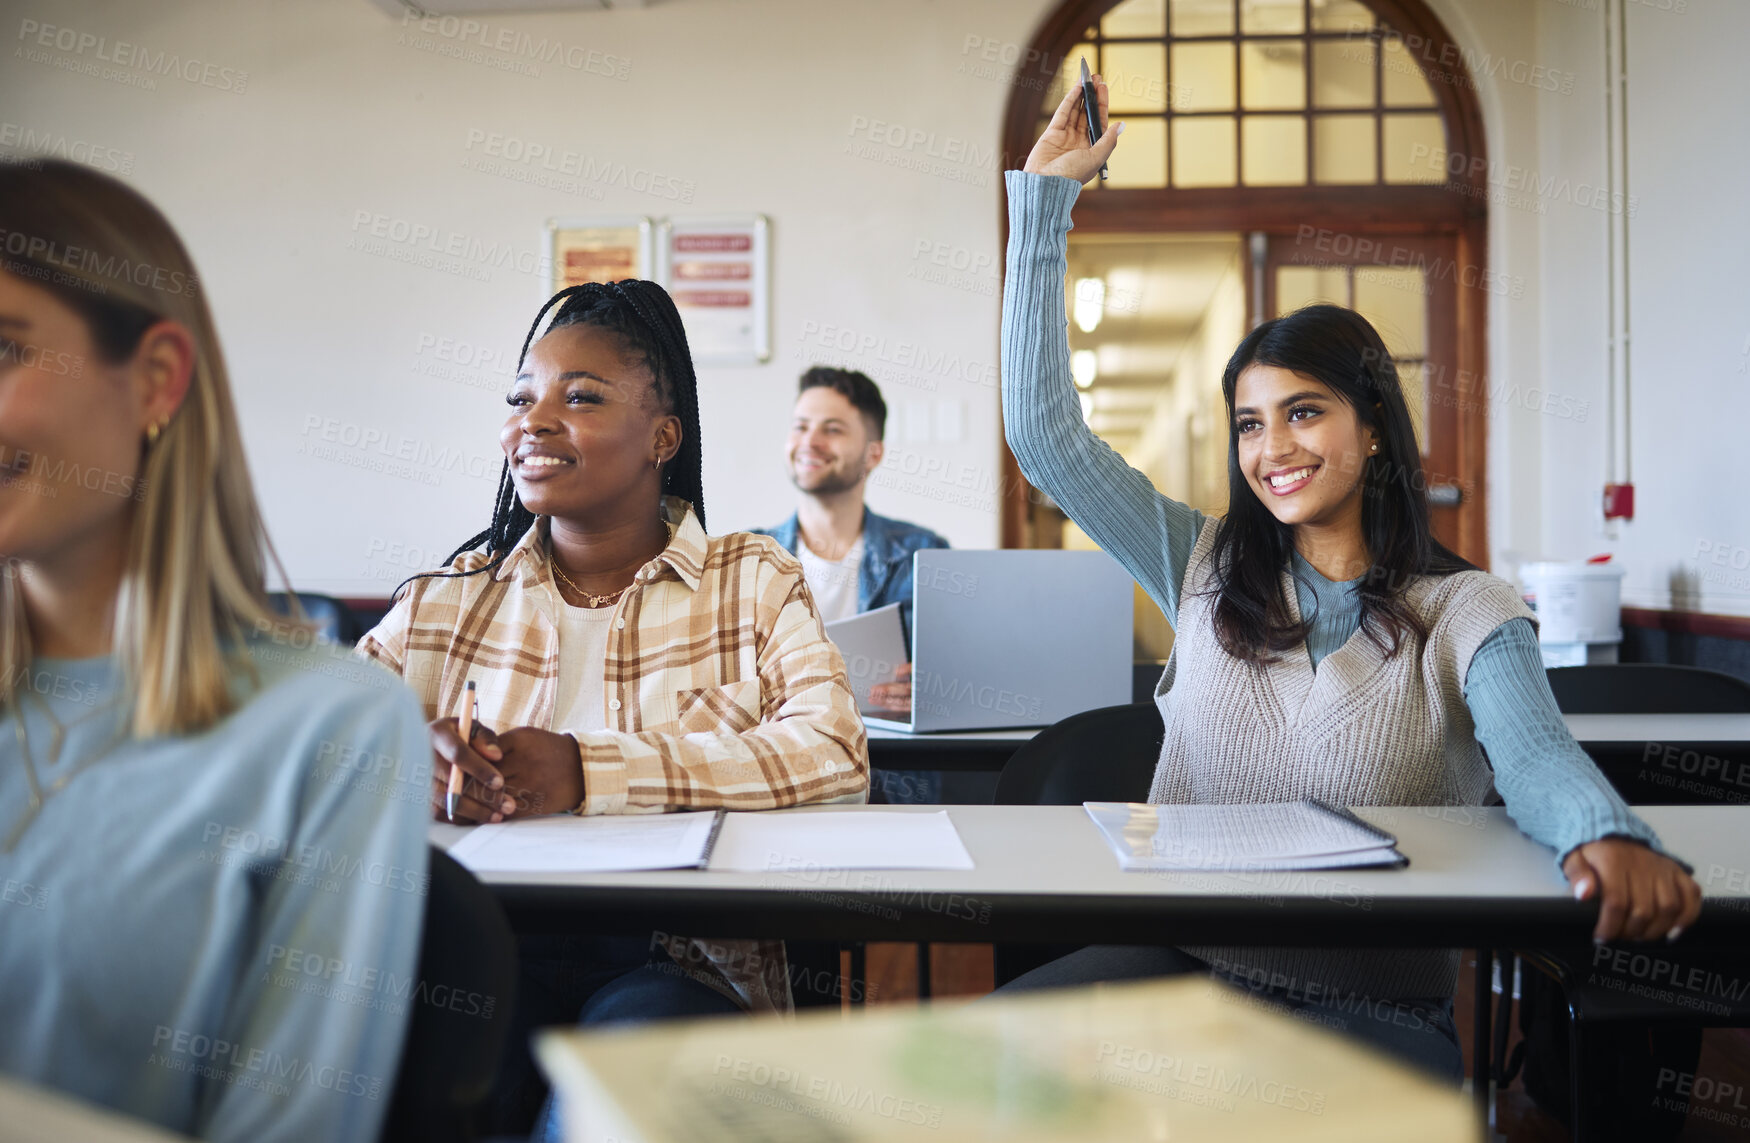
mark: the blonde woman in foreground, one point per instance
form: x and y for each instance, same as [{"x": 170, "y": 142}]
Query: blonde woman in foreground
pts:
[{"x": 185, "y": 820}]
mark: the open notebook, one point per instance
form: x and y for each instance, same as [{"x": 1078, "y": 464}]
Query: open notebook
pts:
[{"x": 1252, "y": 838}]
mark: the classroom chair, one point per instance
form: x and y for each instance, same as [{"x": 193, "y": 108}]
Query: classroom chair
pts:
[
  {"x": 460, "y": 1011},
  {"x": 1104, "y": 755},
  {"x": 1614, "y": 1041}
]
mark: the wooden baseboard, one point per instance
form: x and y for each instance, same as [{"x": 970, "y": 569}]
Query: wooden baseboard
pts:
[{"x": 1688, "y": 622}]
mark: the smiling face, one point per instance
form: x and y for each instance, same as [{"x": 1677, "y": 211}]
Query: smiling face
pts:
[
  {"x": 70, "y": 428},
  {"x": 1300, "y": 448},
  {"x": 585, "y": 427},
  {"x": 829, "y": 448}
]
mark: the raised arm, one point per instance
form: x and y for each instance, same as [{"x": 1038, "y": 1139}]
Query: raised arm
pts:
[
  {"x": 1558, "y": 796},
  {"x": 1112, "y": 502}
]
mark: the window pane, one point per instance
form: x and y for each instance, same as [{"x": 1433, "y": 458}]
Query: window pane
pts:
[
  {"x": 1263, "y": 17},
  {"x": 1401, "y": 78},
  {"x": 1415, "y": 385},
  {"x": 1415, "y": 147},
  {"x": 1298, "y": 286},
  {"x": 1272, "y": 75},
  {"x": 1341, "y": 16},
  {"x": 1343, "y": 149},
  {"x": 1203, "y": 152},
  {"x": 1141, "y": 157},
  {"x": 1136, "y": 18},
  {"x": 1203, "y": 18},
  {"x": 1203, "y": 77},
  {"x": 1342, "y": 73},
  {"x": 1136, "y": 78},
  {"x": 1395, "y": 300},
  {"x": 1273, "y": 150}
]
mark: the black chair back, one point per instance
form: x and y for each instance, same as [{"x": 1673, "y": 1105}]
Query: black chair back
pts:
[
  {"x": 1647, "y": 688},
  {"x": 1104, "y": 755},
  {"x": 334, "y": 620},
  {"x": 461, "y": 1011}
]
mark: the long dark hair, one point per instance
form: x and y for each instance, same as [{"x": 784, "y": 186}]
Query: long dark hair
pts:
[
  {"x": 1337, "y": 347},
  {"x": 644, "y": 318}
]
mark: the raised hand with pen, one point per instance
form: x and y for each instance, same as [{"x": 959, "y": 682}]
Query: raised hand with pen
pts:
[{"x": 1064, "y": 149}]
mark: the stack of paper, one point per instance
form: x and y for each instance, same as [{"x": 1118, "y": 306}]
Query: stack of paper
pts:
[{"x": 1254, "y": 838}]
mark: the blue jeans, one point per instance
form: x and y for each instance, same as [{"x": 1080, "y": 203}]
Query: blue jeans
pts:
[
  {"x": 1417, "y": 1031},
  {"x": 589, "y": 981}
]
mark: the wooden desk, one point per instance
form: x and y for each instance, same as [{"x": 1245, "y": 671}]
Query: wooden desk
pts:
[
  {"x": 1044, "y": 872},
  {"x": 1183, "y": 1060},
  {"x": 983, "y": 750},
  {"x": 1622, "y": 739},
  {"x": 37, "y": 1113}
]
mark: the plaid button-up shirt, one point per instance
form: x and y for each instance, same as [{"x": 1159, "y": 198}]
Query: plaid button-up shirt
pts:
[{"x": 721, "y": 686}]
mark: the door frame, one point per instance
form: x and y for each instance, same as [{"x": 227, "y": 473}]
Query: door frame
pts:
[{"x": 1458, "y": 207}]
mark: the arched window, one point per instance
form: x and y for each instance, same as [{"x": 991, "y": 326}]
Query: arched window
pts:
[{"x": 1335, "y": 147}]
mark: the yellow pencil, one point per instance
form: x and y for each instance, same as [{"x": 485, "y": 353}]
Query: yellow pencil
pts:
[{"x": 469, "y": 704}]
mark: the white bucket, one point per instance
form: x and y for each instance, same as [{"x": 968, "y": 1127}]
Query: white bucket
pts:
[{"x": 1575, "y": 602}]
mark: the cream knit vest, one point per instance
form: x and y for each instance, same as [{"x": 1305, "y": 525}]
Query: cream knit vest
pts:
[{"x": 1364, "y": 730}]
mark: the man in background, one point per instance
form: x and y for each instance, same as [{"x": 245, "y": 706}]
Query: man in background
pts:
[{"x": 853, "y": 559}]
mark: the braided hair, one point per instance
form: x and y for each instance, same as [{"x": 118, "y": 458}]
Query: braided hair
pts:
[{"x": 644, "y": 318}]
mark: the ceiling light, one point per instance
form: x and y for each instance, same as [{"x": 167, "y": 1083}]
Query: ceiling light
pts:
[
  {"x": 1084, "y": 366},
  {"x": 1090, "y": 303}
]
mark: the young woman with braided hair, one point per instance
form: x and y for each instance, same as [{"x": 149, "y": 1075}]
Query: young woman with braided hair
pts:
[{"x": 625, "y": 661}]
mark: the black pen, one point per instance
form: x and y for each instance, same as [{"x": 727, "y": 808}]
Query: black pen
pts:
[{"x": 1091, "y": 104}]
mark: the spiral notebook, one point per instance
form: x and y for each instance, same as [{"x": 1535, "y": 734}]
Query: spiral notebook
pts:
[{"x": 1258, "y": 837}]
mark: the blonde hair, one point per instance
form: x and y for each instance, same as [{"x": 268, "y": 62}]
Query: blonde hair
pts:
[{"x": 195, "y": 573}]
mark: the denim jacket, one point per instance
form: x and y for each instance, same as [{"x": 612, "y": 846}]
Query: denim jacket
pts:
[{"x": 885, "y": 574}]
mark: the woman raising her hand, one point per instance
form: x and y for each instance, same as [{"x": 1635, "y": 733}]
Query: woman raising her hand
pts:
[{"x": 1327, "y": 646}]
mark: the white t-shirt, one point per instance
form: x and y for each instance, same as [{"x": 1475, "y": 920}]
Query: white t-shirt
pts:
[
  {"x": 832, "y": 582},
  {"x": 583, "y": 668}
]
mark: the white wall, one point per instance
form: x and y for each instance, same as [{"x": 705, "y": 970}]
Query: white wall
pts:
[
  {"x": 1689, "y": 309},
  {"x": 756, "y": 105},
  {"x": 765, "y": 105}
]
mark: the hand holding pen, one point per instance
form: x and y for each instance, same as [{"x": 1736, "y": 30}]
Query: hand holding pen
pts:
[
  {"x": 456, "y": 758},
  {"x": 1064, "y": 148}
]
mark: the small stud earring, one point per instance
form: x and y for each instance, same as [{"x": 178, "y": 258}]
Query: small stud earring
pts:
[
  {"x": 1375, "y": 448},
  {"x": 152, "y": 433}
]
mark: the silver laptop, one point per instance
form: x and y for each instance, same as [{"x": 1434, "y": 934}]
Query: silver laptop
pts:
[{"x": 1014, "y": 638}]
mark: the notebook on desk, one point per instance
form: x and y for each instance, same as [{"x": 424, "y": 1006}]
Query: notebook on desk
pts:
[
  {"x": 1251, "y": 838},
  {"x": 1014, "y": 638}
]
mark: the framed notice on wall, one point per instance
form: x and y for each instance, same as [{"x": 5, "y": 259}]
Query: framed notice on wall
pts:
[
  {"x": 718, "y": 272},
  {"x": 597, "y": 250}
]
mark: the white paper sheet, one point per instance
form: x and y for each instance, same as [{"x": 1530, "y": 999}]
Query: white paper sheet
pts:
[
  {"x": 780, "y": 840},
  {"x": 601, "y": 844}
]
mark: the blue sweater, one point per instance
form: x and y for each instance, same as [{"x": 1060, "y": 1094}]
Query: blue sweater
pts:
[
  {"x": 1552, "y": 789},
  {"x": 219, "y": 932}
]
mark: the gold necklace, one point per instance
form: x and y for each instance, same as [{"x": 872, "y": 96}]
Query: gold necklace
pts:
[
  {"x": 61, "y": 728},
  {"x": 37, "y": 796},
  {"x": 591, "y": 599}
]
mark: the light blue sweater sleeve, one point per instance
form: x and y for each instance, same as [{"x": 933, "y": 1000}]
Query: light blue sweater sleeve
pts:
[
  {"x": 225, "y": 929},
  {"x": 1552, "y": 788},
  {"x": 330, "y": 964},
  {"x": 1117, "y": 506}
]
